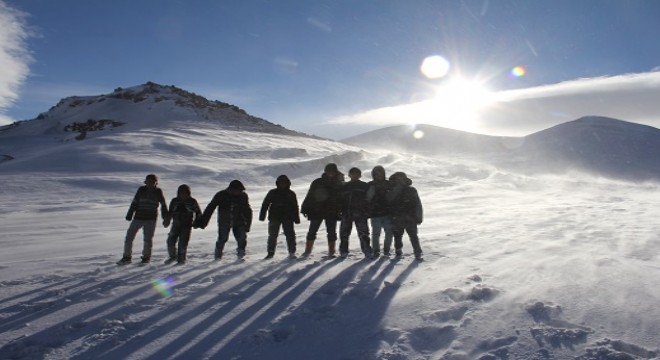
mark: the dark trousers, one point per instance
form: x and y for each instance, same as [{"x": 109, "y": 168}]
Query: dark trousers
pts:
[
  {"x": 362, "y": 229},
  {"x": 223, "y": 235},
  {"x": 289, "y": 233},
  {"x": 409, "y": 225},
  {"x": 178, "y": 233},
  {"x": 330, "y": 227}
]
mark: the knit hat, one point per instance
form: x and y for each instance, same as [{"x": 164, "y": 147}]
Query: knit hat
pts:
[
  {"x": 236, "y": 185},
  {"x": 151, "y": 177}
]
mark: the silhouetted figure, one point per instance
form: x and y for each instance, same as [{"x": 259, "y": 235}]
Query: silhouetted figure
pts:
[
  {"x": 143, "y": 214},
  {"x": 183, "y": 212},
  {"x": 379, "y": 210},
  {"x": 407, "y": 212},
  {"x": 323, "y": 204},
  {"x": 355, "y": 209},
  {"x": 234, "y": 214},
  {"x": 281, "y": 204}
]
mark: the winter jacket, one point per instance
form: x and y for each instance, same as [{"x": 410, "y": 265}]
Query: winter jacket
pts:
[
  {"x": 354, "y": 199},
  {"x": 233, "y": 210},
  {"x": 404, "y": 202},
  {"x": 281, "y": 205},
  {"x": 183, "y": 212},
  {"x": 323, "y": 200},
  {"x": 377, "y": 197},
  {"x": 145, "y": 204}
]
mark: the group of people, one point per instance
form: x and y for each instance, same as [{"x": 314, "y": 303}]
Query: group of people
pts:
[{"x": 392, "y": 205}]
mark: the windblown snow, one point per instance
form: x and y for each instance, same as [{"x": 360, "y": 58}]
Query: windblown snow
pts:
[{"x": 517, "y": 266}]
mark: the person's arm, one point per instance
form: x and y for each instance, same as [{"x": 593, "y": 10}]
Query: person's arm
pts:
[
  {"x": 296, "y": 216},
  {"x": 133, "y": 207},
  {"x": 419, "y": 211},
  {"x": 247, "y": 214},
  {"x": 208, "y": 211},
  {"x": 163, "y": 204},
  {"x": 265, "y": 205}
]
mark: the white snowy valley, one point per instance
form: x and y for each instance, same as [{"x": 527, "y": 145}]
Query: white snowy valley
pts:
[{"x": 517, "y": 265}]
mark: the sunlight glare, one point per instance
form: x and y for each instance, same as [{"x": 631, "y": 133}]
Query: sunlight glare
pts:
[
  {"x": 418, "y": 134},
  {"x": 458, "y": 102},
  {"x": 435, "y": 67}
]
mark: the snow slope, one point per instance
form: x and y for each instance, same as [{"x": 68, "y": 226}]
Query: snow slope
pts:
[
  {"x": 598, "y": 145},
  {"x": 516, "y": 266}
]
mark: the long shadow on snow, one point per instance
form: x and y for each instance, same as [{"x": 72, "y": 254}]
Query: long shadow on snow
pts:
[
  {"x": 109, "y": 348},
  {"x": 345, "y": 312},
  {"x": 87, "y": 284},
  {"x": 259, "y": 314},
  {"x": 53, "y": 337}
]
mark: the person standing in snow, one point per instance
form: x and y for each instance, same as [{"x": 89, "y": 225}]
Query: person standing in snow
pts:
[
  {"x": 379, "y": 210},
  {"x": 323, "y": 204},
  {"x": 183, "y": 212},
  {"x": 234, "y": 214},
  {"x": 143, "y": 214},
  {"x": 355, "y": 209},
  {"x": 406, "y": 212},
  {"x": 281, "y": 204}
]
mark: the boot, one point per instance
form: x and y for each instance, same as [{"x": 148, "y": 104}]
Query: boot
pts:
[
  {"x": 308, "y": 248},
  {"x": 331, "y": 249}
]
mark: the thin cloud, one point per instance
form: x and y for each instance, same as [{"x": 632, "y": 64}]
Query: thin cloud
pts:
[
  {"x": 630, "y": 97},
  {"x": 14, "y": 57}
]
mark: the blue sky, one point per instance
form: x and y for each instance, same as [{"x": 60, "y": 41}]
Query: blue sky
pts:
[{"x": 337, "y": 68}]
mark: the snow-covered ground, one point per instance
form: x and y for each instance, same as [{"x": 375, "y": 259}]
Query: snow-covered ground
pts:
[{"x": 516, "y": 266}]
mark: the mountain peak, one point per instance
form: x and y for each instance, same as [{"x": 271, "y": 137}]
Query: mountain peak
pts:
[{"x": 141, "y": 106}]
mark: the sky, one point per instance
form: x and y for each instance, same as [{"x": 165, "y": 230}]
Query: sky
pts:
[{"x": 339, "y": 68}]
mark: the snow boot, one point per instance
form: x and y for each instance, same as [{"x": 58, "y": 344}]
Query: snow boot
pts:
[
  {"x": 331, "y": 249},
  {"x": 308, "y": 248},
  {"x": 124, "y": 261}
]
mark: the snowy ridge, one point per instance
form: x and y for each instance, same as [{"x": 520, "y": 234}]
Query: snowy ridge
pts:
[{"x": 597, "y": 145}]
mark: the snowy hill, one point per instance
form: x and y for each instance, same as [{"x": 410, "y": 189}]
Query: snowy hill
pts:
[
  {"x": 598, "y": 145},
  {"x": 517, "y": 266}
]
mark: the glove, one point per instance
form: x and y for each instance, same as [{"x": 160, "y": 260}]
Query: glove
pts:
[
  {"x": 297, "y": 221},
  {"x": 129, "y": 217},
  {"x": 166, "y": 223},
  {"x": 262, "y": 219}
]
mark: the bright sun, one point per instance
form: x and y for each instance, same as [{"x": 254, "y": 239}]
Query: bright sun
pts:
[{"x": 458, "y": 102}]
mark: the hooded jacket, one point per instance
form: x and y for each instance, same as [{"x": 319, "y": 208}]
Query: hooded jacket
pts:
[
  {"x": 280, "y": 203},
  {"x": 233, "y": 208},
  {"x": 323, "y": 200},
  {"x": 404, "y": 200}
]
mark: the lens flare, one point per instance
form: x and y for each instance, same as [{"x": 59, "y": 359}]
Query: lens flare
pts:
[
  {"x": 435, "y": 67},
  {"x": 418, "y": 134},
  {"x": 518, "y": 71},
  {"x": 163, "y": 286}
]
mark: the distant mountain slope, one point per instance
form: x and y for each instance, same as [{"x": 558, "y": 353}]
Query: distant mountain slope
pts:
[
  {"x": 147, "y": 105},
  {"x": 599, "y": 145},
  {"x": 429, "y": 139}
]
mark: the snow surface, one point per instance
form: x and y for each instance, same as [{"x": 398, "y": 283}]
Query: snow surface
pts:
[{"x": 516, "y": 266}]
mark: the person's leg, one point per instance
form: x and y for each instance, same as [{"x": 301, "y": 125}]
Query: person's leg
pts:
[
  {"x": 149, "y": 229},
  {"x": 273, "y": 231},
  {"x": 184, "y": 239},
  {"x": 314, "y": 225},
  {"x": 241, "y": 240},
  {"x": 376, "y": 226},
  {"x": 132, "y": 231},
  {"x": 397, "y": 233},
  {"x": 387, "y": 229},
  {"x": 290, "y": 234},
  {"x": 362, "y": 229},
  {"x": 172, "y": 239},
  {"x": 411, "y": 229},
  {"x": 345, "y": 229},
  {"x": 223, "y": 235}
]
